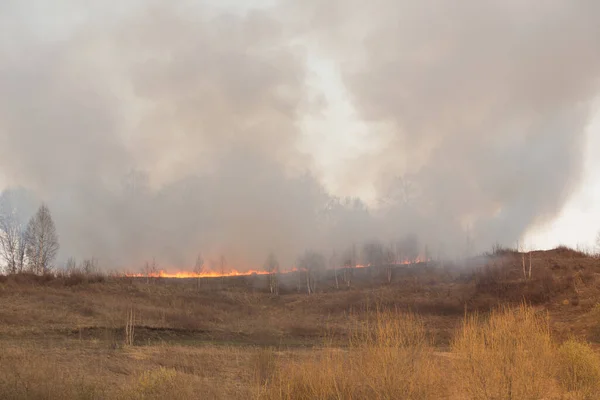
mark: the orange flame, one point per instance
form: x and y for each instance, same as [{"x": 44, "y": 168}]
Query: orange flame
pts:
[
  {"x": 215, "y": 274},
  {"x": 187, "y": 274}
]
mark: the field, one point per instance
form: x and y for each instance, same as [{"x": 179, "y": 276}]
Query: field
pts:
[{"x": 435, "y": 330}]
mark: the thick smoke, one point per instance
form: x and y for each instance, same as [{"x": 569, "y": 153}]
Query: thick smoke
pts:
[
  {"x": 161, "y": 131},
  {"x": 483, "y": 104},
  {"x": 169, "y": 129}
]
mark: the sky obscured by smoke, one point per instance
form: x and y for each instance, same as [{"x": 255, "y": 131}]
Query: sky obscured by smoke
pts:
[{"x": 164, "y": 129}]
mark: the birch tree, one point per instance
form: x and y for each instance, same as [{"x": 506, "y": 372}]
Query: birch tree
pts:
[
  {"x": 350, "y": 261},
  {"x": 11, "y": 241},
  {"x": 312, "y": 263},
  {"x": 199, "y": 270},
  {"x": 150, "y": 270},
  {"x": 333, "y": 264},
  {"x": 41, "y": 241},
  {"x": 390, "y": 262},
  {"x": 272, "y": 267}
]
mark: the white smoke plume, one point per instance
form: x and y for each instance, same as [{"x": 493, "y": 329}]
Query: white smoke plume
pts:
[{"x": 164, "y": 129}]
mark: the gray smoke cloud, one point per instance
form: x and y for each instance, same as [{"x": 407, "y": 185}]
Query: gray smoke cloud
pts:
[
  {"x": 159, "y": 131},
  {"x": 162, "y": 130},
  {"x": 483, "y": 104}
]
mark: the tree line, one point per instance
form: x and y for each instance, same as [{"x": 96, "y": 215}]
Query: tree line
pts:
[
  {"x": 28, "y": 248},
  {"x": 311, "y": 264}
]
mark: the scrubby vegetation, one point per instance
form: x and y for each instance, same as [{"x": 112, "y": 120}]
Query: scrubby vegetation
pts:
[
  {"x": 509, "y": 354},
  {"x": 481, "y": 331}
]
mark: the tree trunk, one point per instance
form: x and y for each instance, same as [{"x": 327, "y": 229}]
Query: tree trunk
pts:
[{"x": 337, "y": 284}]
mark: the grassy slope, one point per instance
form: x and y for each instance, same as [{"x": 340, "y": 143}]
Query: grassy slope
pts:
[{"x": 213, "y": 335}]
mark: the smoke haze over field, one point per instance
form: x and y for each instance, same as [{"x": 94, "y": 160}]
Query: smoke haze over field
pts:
[{"x": 164, "y": 129}]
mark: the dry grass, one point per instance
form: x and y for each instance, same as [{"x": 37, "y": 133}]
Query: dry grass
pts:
[
  {"x": 508, "y": 356},
  {"x": 579, "y": 370},
  {"x": 65, "y": 337},
  {"x": 51, "y": 372},
  {"x": 27, "y": 374},
  {"x": 388, "y": 358}
]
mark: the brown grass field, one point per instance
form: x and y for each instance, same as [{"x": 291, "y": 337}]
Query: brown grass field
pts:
[{"x": 476, "y": 331}]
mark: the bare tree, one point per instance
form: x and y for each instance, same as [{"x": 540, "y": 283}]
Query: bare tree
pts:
[
  {"x": 373, "y": 253},
  {"x": 526, "y": 274},
  {"x": 12, "y": 236},
  {"x": 299, "y": 280},
  {"x": 529, "y": 265},
  {"x": 199, "y": 269},
  {"x": 150, "y": 270},
  {"x": 222, "y": 265},
  {"x": 272, "y": 267},
  {"x": 21, "y": 251},
  {"x": 71, "y": 266},
  {"x": 222, "y": 269},
  {"x": 41, "y": 241},
  {"x": 350, "y": 260},
  {"x": 10, "y": 241},
  {"x": 333, "y": 264},
  {"x": 390, "y": 262},
  {"x": 373, "y": 256},
  {"x": 312, "y": 263},
  {"x": 89, "y": 266},
  {"x": 598, "y": 245},
  {"x": 407, "y": 249}
]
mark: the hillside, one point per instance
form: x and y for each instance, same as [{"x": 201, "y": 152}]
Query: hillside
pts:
[{"x": 219, "y": 325}]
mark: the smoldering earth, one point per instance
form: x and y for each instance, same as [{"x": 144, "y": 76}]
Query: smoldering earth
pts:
[{"x": 165, "y": 130}]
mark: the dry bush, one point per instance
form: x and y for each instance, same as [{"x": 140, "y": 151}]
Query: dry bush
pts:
[
  {"x": 388, "y": 358},
  {"x": 79, "y": 276},
  {"x": 498, "y": 282},
  {"x": 566, "y": 251},
  {"x": 579, "y": 370},
  {"x": 508, "y": 356},
  {"x": 24, "y": 278}
]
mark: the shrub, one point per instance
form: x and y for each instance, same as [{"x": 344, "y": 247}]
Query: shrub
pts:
[
  {"x": 388, "y": 358},
  {"x": 579, "y": 369},
  {"x": 507, "y": 356}
]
